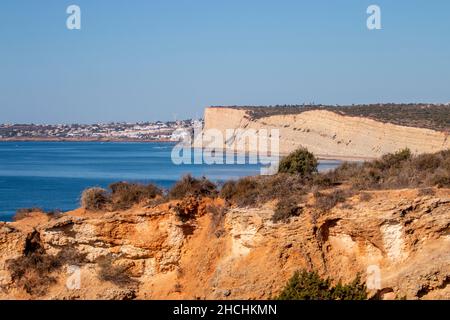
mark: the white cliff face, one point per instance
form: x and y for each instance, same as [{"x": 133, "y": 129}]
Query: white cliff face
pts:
[{"x": 328, "y": 134}]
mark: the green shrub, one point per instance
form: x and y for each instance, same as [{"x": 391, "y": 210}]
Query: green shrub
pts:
[
  {"x": 356, "y": 290},
  {"x": 300, "y": 161},
  {"x": 95, "y": 199},
  {"x": 305, "y": 285}
]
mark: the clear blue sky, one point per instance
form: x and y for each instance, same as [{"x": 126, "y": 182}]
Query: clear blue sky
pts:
[{"x": 148, "y": 60}]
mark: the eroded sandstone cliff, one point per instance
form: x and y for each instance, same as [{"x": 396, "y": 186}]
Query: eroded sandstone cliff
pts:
[
  {"x": 239, "y": 253},
  {"x": 327, "y": 134}
]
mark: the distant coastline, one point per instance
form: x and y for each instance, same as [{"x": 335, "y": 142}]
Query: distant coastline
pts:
[
  {"x": 115, "y": 132},
  {"x": 89, "y": 139}
]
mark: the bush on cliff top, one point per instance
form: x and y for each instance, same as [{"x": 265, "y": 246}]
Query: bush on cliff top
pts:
[
  {"x": 298, "y": 176},
  {"x": 190, "y": 186},
  {"x": 122, "y": 196},
  {"x": 305, "y": 285},
  {"x": 125, "y": 195},
  {"x": 251, "y": 191},
  {"x": 243, "y": 192},
  {"x": 301, "y": 161},
  {"x": 95, "y": 199},
  {"x": 397, "y": 170}
]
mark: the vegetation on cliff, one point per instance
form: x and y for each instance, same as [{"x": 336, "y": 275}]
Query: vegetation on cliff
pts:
[
  {"x": 301, "y": 162},
  {"x": 122, "y": 196},
  {"x": 28, "y": 212},
  {"x": 34, "y": 270},
  {"x": 395, "y": 170},
  {"x": 306, "y": 285},
  {"x": 297, "y": 178},
  {"x": 130, "y": 246},
  {"x": 421, "y": 115},
  {"x": 190, "y": 186}
]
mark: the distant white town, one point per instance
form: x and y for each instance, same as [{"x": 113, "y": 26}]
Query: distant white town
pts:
[{"x": 145, "y": 131}]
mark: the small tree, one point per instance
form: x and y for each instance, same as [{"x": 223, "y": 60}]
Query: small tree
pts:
[
  {"x": 306, "y": 285},
  {"x": 300, "y": 161}
]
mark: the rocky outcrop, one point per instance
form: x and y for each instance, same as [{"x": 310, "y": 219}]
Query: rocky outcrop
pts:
[
  {"x": 326, "y": 134},
  {"x": 398, "y": 240}
]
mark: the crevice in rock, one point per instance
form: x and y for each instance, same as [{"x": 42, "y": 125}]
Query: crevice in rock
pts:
[{"x": 427, "y": 289}]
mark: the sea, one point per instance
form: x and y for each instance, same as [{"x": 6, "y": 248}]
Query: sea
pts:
[{"x": 52, "y": 175}]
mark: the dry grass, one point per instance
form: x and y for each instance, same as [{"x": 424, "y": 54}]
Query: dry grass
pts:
[
  {"x": 122, "y": 196},
  {"x": 253, "y": 191},
  {"x": 392, "y": 171},
  {"x": 426, "y": 192},
  {"x": 398, "y": 170},
  {"x": 33, "y": 271},
  {"x": 287, "y": 208},
  {"x": 365, "y": 196},
  {"x": 26, "y": 212},
  {"x": 325, "y": 201},
  {"x": 95, "y": 199},
  {"x": 115, "y": 273},
  {"x": 125, "y": 195},
  {"x": 190, "y": 186}
]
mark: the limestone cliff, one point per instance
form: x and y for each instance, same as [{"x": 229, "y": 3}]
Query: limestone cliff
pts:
[
  {"x": 150, "y": 253},
  {"x": 329, "y": 134}
]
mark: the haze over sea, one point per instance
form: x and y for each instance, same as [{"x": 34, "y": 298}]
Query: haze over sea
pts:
[{"x": 52, "y": 175}]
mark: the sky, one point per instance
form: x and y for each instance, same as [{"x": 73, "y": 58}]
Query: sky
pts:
[{"x": 146, "y": 60}]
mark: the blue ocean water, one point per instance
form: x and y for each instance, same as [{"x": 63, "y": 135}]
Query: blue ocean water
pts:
[{"x": 52, "y": 175}]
